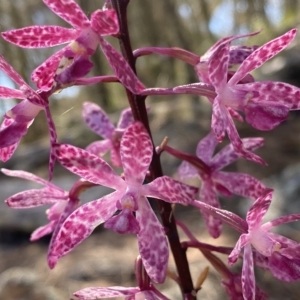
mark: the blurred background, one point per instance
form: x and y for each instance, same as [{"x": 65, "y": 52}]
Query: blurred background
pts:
[{"x": 190, "y": 24}]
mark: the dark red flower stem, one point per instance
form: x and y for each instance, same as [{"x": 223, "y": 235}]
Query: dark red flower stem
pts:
[{"x": 137, "y": 104}]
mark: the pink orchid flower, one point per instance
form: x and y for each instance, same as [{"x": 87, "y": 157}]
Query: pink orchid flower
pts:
[
  {"x": 17, "y": 120},
  {"x": 130, "y": 197},
  {"x": 73, "y": 61},
  {"x": 213, "y": 181},
  {"x": 278, "y": 251},
  {"x": 63, "y": 202},
  {"x": 265, "y": 103},
  {"x": 268, "y": 250},
  {"x": 98, "y": 121}
]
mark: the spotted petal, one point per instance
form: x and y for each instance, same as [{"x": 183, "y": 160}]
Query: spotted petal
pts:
[
  {"x": 88, "y": 166},
  {"x": 258, "y": 210},
  {"x": 42, "y": 231},
  {"x": 262, "y": 54},
  {"x": 121, "y": 68},
  {"x": 241, "y": 184},
  {"x": 11, "y": 72},
  {"x": 218, "y": 66},
  {"x": 40, "y": 36},
  {"x": 69, "y": 11},
  {"x": 248, "y": 279},
  {"x": 218, "y": 124},
  {"x": 92, "y": 293},
  {"x": 105, "y": 22},
  {"x": 126, "y": 118},
  {"x": 43, "y": 75},
  {"x": 6, "y": 92},
  {"x": 206, "y": 147},
  {"x": 136, "y": 153},
  {"x": 170, "y": 190},
  {"x": 97, "y": 120},
  {"x": 228, "y": 154},
  {"x": 242, "y": 242},
  {"x": 80, "y": 224},
  {"x": 283, "y": 93},
  {"x": 7, "y": 152},
  {"x": 99, "y": 148},
  {"x": 152, "y": 242},
  {"x": 12, "y": 134},
  {"x": 208, "y": 195},
  {"x": 33, "y": 198}
]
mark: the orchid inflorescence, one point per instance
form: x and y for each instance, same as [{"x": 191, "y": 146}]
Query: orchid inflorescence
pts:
[{"x": 231, "y": 91}]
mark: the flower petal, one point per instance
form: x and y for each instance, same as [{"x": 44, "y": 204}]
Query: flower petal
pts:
[
  {"x": 152, "y": 242},
  {"x": 80, "y": 224},
  {"x": 39, "y": 36},
  {"x": 6, "y": 92},
  {"x": 136, "y": 153},
  {"x": 279, "y": 92},
  {"x": 284, "y": 268},
  {"x": 92, "y": 293},
  {"x": 262, "y": 54},
  {"x": 70, "y": 11},
  {"x": 239, "y": 53},
  {"x": 34, "y": 198},
  {"x": 237, "y": 142},
  {"x": 126, "y": 119},
  {"x": 121, "y": 68},
  {"x": 217, "y": 122},
  {"x": 258, "y": 210},
  {"x": 206, "y": 147},
  {"x": 53, "y": 140},
  {"x": 187, "y": 171},
  {"x": 7, "y": 152},
  {"x": 97, "y": 120},
  {"x": 248, "y": 279},
  {"x": 170, "y": 190},
  {"x": 88, "y": 166},
  {"x": 43, "y": 75},
  {"x": 42, "y": 231},
  {"x": 99, "y": 148},
  {"x": 208, "y": 195},
  {"x": 241, "y": 184},
  {"x": 11, "y": 72},
  {"x": 265, "y": 115},
  {"x": 242, "y": 242},
  {"x": 228, "y": 154},
  {"x": 12, "y": 134},
  {"x": 31, "y": 177},
  {"x": 281, "y": 220},
  {"x": 218, "y": 66},
  {"x": 105, "y": 22}
]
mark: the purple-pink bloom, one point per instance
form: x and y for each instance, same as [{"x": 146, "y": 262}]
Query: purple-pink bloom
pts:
[
  {"x": 130, "y": 197},
  {"x": 17, "y": 120},
  {"x": 214, "y": 181},
  {"x": 98, "y": 121},
  {"x": 265, "y": 103},
  {"x": 63, "y": 202},
  {"x": 280, "y": 253},
  {"x": 73, "y": 61}
]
